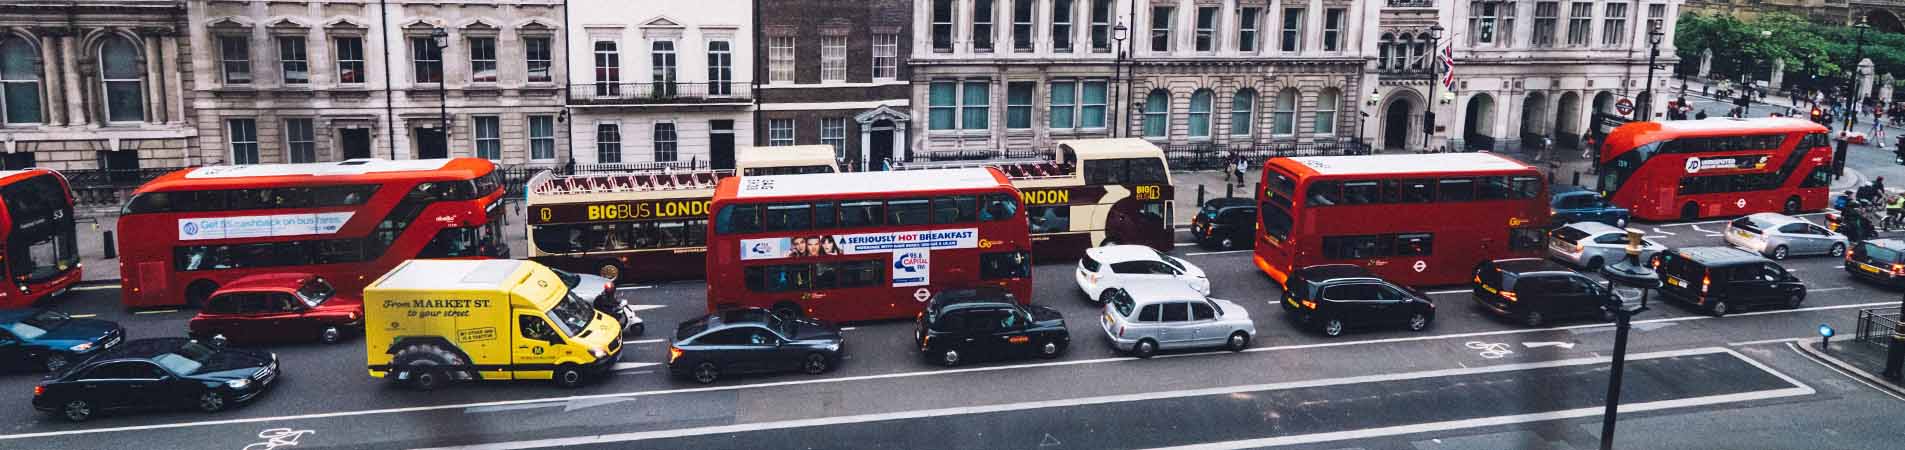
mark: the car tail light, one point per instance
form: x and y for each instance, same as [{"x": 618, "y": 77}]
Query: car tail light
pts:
[
  {"x": 674, "y": 353},
  {"x": 39, "y": 390},
  {"x": 1578, "y": 247},
  {"x": 1510, "y": 296},
  {"x": 1706, "y": 281},
  {"x": 1898, "y": 269}
]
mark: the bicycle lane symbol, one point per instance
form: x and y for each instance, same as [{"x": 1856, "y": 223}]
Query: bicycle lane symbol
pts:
[
  {"x": 279, "y": 437},
  {"x": 1490, "y": 350}
]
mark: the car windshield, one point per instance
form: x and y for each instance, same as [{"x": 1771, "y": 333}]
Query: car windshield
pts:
[
  {"x": 25, "y": 331},
  {"x": 571, "y": 314},
  {"x": 48, "y": 319},
  {"x": 1169, "y": 260},
  {"x": 316, "y": 292},
  {"x": 187, "y": 359}
]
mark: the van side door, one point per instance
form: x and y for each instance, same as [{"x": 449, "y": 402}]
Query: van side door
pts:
[{"x": 534, "y": 356}]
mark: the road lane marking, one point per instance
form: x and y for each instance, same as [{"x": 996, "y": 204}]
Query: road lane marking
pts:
[
  {"x": 1216, "y": 253},
  {"x": 157, "y": 311},
  {"x": 1451, "y": 291},
  {"x": 849, "y": 328},
  {"x": 631, "y": 288},
  {"x": 1665, "y": 232},
  {"x": 1764, "y": 341},
  {"x": 1183, "y": 244},
  {"x": 640, "y": 308},
  {"x": 94, "y": 287},
  {"x": 1798, "y": 389},
  {"x": 641, "y": 342},
  {"x": 895, "y": 375},
  {"x": 82, "y": 316},
  {"x": 621, "y": 366},
  {"x": 1836, "y": 364},
  {"x": 1696, "y": 227}
]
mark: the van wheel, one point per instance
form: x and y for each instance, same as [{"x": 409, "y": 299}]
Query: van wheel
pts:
[
  {"x": 1719, "y": 309},
  {"x": 1333, "y": 327},
  {"x": 609, "y": 270},
  {"x": 1594, "y": 264},
  {"x": 1779, "y": 253},
  {"x": 198, "y": 292},
  {"x": 427, "y": 378},
  {"x": 568, "y": 376},
  {"x": 1533, "y": 319},
  {"x": 706, "y": 373},
  {"x": 1229, "y": 243},
  {"x": 1144, "y": 349},
  {"x": 1792, "y": 205},
  {"x": 429, "y": 365},
  {"x": 1690, "y": 211},
  {"x": 1238, "y": 341},
  {"x": 1837, "y": 250},
  {"x": 786, "y": 310}
]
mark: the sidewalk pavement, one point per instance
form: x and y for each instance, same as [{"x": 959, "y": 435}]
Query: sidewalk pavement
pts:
[{"x": 1863, "y": 361}]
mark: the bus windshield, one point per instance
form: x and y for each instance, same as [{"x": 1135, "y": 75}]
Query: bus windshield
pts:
[{"x": 38, "y": 247}]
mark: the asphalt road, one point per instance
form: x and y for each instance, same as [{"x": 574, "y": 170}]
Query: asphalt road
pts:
[{"x": 1469, "y": 381}]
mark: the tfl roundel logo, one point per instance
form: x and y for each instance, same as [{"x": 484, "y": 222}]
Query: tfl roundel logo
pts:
[{"x": 190, "y": 228}]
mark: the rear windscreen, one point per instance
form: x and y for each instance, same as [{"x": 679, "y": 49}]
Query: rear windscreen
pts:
[
  {"x": 690, "y": 328},
  {"x": 1680, "y": 266},
  {"x": 1569, "y": 235},
  {"x": 1090, "y": 265},
  {"x": 1121, "y": 302},
  {"x": 1492, "y": 275},
  {"x": 1874, "y": 254},
  {"x": 1746, "y": 223}
]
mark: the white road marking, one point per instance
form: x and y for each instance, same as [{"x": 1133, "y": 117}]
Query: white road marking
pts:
[
  {"x": 897, "y": 375},
  {"x": 157, "y": 311},
  {"x": 1797, "y": 390},
  {"x": 1665, "y": 232},
  {"x": 1763, "y": 341},
  {"x": 1713, "y": 234},
  {"x": 640, "y": 308},
  {"x": 1696, "y": 227},
  {"x": 849, "y": 328},
  {"x": 641, "y": 342},
  {"x": 1830, "y": 363},
  {"x": 1183, "y": 244},
  {"x": 626, "y": 366},
  {"x": 94, "y": 287},
  {"x": 1215, "y": 253},
  {"x": 1451, "y": 291},
  {"x": 631, "y": 288},
  {"x": 83, "y": 316}
]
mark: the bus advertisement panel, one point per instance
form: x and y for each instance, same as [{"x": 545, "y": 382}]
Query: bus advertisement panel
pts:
[
  {"x": 348, "y": 222},
  {"x": 864, "y": 246},
  {"x": 36, "y": 223},
  {"x": 1690, "y": 169},
  {"x": 1421, "y": 220}
]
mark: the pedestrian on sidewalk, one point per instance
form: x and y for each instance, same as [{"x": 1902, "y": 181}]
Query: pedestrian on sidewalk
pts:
[
  {"x": 1587, "y": 147},
  {"x": 1243, "y": 165},
  {"x": 1230, "y": 166},
  {"x": 1547, "y": 146}
]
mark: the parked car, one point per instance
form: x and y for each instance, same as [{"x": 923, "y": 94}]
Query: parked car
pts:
[
  {"x": 987, "y": 323},
  {"x": 268, "y": 308},
  {"x": 1537, "y": 291},
  {"x": 1576, "y": 204},
  {"x": 1878, "y": 260},
  {"x": 1142, "y": 319},
  {"x": 1120, "y": 265},
  {"x": 1724, "y": 279},
  {"x": 49, "y": 340},
  {"x": 599, "y": 291},
  {"x": 1227, "y": 223},
  {"x": 1590, "y": 245},
  {"x": 1778, "y": 236},
  {"x": 1336, "y": 297},
  {"x": 752, "y": 340},
  {"x": 165, "y": 373}
]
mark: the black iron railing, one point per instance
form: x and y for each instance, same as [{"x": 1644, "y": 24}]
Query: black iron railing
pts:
[
  {"x": 1411, "y": 3},
  {"x": 1211, "y": 156},
  {"x": 659, "y": 93},
  {"x": 1876, "y": 324}
]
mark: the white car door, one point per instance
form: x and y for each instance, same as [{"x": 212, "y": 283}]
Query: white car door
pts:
[
  {"x": 1176, "y": 330},
  {"x": 1209, "y": 330}
]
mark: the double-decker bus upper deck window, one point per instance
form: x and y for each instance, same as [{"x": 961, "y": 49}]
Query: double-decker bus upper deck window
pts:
[
  {"x": 824, "y": 216},
  {"x": 955, "y": 209},
  {"x": 910, "y": 211},
  {"x": 1361, "y": 192},
  {"x": 1524, "y": 187},
  {"x": 1455, "y": 189},
  {"x": 998, "y": 207},
  {"x": 1814, "y": 140},
  {"x": 1125, "y": 171},
  {"x": 1621, "y": 169},
  {"x": 1324, "y": 193},
  {"x": 1493, "y": 188},
  {"x": 1408, "y": 191},
  {"x": 863, "y": 213},
  {"x": 789, "y": 216},
  {"x": 742, "y": 218}
]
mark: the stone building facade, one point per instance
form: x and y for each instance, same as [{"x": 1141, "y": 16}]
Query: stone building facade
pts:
[
  {"x": 835, "y": 73},
  {"x": 661, "y": 82},
  {"x": 307, "y": 81},
  {"x": 95, "y": 84}
]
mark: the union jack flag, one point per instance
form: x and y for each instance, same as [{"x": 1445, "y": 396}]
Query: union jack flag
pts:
[{"x": 1448, "y": 66}]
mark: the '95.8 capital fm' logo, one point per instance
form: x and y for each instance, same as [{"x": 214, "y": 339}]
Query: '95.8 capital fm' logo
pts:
[{"x": 910, "y": 262}]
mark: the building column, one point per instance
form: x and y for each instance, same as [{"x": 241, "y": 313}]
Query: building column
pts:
[
  {"x": 900, "y": 151},
  {"x": 69, "y": 69},
  {"x": 155, "y": 84},
  {"x": 169, "y": 65},
  {"x": 866, "y": 148},
  {"x": 50, "y": 72}
]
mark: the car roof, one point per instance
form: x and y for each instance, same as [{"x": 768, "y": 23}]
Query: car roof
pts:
[
  {"x": 1774, "y": 218},
  {"x": 1530, "y": 266},
  {"x": 287, "y": 281},
  {"x": 1595, "y": 228},
  {"x": 1718, "y": 256},
  {"x": 1892, "y": 244},
  {"x": 1148, "y": 293},
  {"x": 1226, "y": 202},
  {"x": 1567, "y": 189},
  {"x": 144, "y": 348},
  {"x": 957, "y": 297},
  {"x": 1322, "y": 273},
  {"x": 1113, "y": 254}
]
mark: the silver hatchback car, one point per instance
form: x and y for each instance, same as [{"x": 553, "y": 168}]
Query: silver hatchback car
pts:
[
  {"x": 1591, "y": 244},
  {"x": 1777, "y": 236},
  {"x": 1141, "y": 319}
]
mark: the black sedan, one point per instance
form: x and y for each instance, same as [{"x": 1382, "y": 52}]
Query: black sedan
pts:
[
  {"x": 51, "y": 340},
  {"x": 752, "y": 340},
  {"x": 961, "y": 324},
  {"x": 164, "y": 373}
]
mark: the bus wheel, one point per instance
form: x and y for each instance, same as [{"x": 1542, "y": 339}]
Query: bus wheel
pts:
[
  {"x": 1792, "y": 205},
  {"x": 198, "y": 292},
  {"x": 1690, "y": 211},
  {"x": 787, "y": 310},
  {"x": 609, "y": 270}
]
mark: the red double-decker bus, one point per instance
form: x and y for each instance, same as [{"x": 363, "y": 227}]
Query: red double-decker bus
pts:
[
  {"x": 1689, "y": 169},
  {"x": 36, "y": 224},
  {"x": 1421, "y": 220},
  {"x": 186, "y": 233},
  {"x": 864, "y": 246}
]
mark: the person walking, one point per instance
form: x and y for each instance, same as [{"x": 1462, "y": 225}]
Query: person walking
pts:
[
  {"x": 1547, "y": 146},
  {"x": 1230, "y": 167},
  {"x": 1242, "y": 166}
]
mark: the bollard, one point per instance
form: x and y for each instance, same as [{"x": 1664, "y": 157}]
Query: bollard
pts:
[
  {"x": 1230, "y": 190},
  {"x": 1200, "y": 196},
  {"x": 107, "y": 242},
  {"x": 1577, "y": 178}
]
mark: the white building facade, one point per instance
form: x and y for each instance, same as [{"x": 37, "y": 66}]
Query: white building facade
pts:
[{"x": 661, "y": 82}]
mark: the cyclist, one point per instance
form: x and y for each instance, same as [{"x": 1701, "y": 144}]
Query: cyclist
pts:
[{"x": 1893, "y": 209}]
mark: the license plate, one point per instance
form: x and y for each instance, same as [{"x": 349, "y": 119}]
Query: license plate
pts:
[
  {"x": 1868, "y": 268},
  {"x": 1742, "y": 233},
  {"x": 1676, "y": 281},
  {"x": 1490, "y": 289}
]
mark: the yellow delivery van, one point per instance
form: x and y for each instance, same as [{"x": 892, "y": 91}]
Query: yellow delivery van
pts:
[{"x": 429, "y": 322}]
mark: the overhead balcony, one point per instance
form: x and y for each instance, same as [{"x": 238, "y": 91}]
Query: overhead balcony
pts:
[
  {"x": 1411, "y": 3},
  {"x": 612, "y": 94}
]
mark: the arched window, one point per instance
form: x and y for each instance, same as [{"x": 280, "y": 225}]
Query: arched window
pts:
[
  {"x": 1420, "y": 56},
  {"x": 1157, "y": 113},
  {"x": 1384, "y": 46},
  {"x": 1284, "y": 122},
  {"x": 119, "y": 69},
  {"x": 1326, "y": 104},
  {"x": 1242, "y": 105},
  {"x": 1200, "y": 113},
  {"x": 20, "y": 69},
  {"x": 1400, "y": 59}
]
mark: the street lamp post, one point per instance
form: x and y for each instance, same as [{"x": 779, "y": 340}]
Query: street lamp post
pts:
[
  {"x": 1654, "y": 37},
  {"x": 1852, "y": 112},
  {"x": 1119, "y": 34},
  {"x": 1362, "y": 131},
  {"x": 1428, "y": 111},
  {"x": 1629, "y": 271},
  {"x": 441, "y": 39}
]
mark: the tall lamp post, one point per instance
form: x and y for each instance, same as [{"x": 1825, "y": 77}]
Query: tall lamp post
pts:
[
  {"x": 1654, "y": 37},
  {"x": 1631, "y": 272},
  {"x": 1362, "y": 131},
  {"x": 1428, "y": 111},
  {"x": 1119, "y": 34},
  {"x": 441, "y": 39},
  {"x": 1852, "y": 113}
]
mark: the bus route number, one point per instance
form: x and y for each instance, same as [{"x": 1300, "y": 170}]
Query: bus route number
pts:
[{"x": 1148, "y": 192}]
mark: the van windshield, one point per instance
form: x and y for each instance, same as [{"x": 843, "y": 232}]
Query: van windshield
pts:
[{"x": 571, "y": 314}]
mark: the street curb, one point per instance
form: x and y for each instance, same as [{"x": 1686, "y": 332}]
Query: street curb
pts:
[
  {"x": 1874, "y": 379},
  {"x": 1858, "y": 179}
]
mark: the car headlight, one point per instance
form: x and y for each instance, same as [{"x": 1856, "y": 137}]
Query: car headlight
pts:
[
  {"x": 81, "y": 347},
  {"x": 599, "y": 353},
  {"x": 238, "y": 383}
]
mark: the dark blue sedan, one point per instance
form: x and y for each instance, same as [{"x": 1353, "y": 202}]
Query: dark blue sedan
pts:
[
  {"x": 1570, "y": 204},
  {"x": 51, "y": 340}
]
